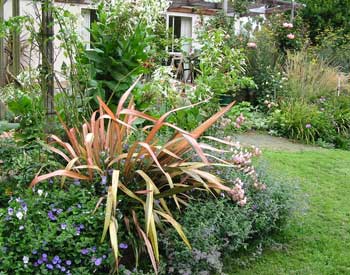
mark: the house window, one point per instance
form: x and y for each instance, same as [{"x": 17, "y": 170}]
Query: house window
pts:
[
  {"x": 89, "y": 16},
  {"x": 181, "y": 27}
]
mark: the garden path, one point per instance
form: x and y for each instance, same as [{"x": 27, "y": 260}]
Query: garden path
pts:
[{"x": 265, "y": 141}]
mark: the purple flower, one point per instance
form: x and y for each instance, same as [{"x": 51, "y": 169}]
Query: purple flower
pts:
[
  {"x": 63, "y": 226},
  {"x": 44, "y": 256},
  {"x": 104, "y": 180},
  {"x": 10, "y": 211},
  {"x": 76, "y": 182},
  {"x": 81, "y": 226},
  {"x": 24, "y": 206},
  {"x": 308, "y": 126},
  {"x": 59, "y": 211},
  {"x": 51, "y": 216},
  {"x": 63, "y": 269},
  {"x": 56, "y": 260},
  {"x": 93, "y": 249},
  {"x": 68, "y": 262},
  {"x": 49, "y": 266},
  {"x": 98, "y": 261},
  {"x": 40, "y": 261},
  {"x": 84, "y": 251},
  {"x": 123, "y": 246},
  {"x": 34, "y": 252}
]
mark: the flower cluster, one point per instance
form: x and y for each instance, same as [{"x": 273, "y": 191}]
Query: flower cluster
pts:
[
  {"x": 290, "y": 36},
  {"x": 97, "y": 261},
  {"x": 287, "y": 25},
  {"x": 19, "y": 210},
  {"x": 242, "y": 160},
  {"x": 237, "y": 193},
  {"x": 239, "y": 121},
  {"x": 50, "y": 263}
]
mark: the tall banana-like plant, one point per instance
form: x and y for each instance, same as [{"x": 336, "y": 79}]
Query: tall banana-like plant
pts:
[{"x": 147, "y": 179}]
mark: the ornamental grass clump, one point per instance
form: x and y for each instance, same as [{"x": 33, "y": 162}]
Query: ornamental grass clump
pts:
[{"x": 140, "y": 180}]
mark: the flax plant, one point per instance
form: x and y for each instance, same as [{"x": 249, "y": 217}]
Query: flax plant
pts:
[{"x": 148, "y": 177}]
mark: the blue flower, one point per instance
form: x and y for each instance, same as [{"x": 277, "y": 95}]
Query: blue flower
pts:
[
  {"x": 49, "y": 266},
  {"x": 68, "y": 262},
  {"x": 10, "y": 211},
  {"x": 104, "y": 180},
  {"x": 34, "y": 252},
  {"x": 84, "y": 251},
  {"x": 63, "y": 269},
  {"x": 51, "y": 216},
  {"x": 63, "y": 226},
  {"x": 123, "y": 246},
  {"x": 24, "y": 206},
  {"x": 98, "y": 261},
  {"x": 56, "y": 260}
]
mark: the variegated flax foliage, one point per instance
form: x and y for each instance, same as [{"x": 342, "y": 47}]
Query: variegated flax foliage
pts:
[{"x": 146, "y": 178}]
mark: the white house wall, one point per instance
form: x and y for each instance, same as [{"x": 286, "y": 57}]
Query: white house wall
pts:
[{"x": 79, "y": 10}]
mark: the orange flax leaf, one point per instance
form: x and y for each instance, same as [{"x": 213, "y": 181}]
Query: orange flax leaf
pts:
[
  {"x": 207, "y": 124},
  {"x": 105, "y": 108},
  {"x": 153, "y": 156},
  {"x": 68, "y": 174},
  {"x": 66, "y": 145},
  {"x": 59, "y": 152},
  {"x": 126, "y": 95},
  {"x": 73, "y": 139},
  {"x": 147, "y": 243},
  {"x": 68, "y": 168}
]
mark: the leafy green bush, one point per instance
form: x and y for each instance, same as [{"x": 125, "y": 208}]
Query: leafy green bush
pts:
[
  {"x": 19, "y": 164},
  {"x": 51, "y": 230},
  {"x": 333, "y": 46},
  {"x": 218, "y": 227}
]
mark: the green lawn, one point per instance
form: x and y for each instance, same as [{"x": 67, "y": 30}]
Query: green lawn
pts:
[{"x": 318, "y": 239}]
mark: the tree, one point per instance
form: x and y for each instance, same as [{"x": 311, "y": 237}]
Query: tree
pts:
[{"x": 323, "y": 14}]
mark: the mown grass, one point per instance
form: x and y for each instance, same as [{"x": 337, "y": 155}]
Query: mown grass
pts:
[{"x": 317, "y": 241}]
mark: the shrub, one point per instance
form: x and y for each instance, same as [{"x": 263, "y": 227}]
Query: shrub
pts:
[
  {"x": 302, "y": 121},
  {"x": 218, "y": 228},
  {"x": 310, "y": 78},
  {"x": 52, "y": 230}
]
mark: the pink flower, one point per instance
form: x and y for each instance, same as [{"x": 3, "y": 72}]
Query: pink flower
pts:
[
  {"x": 288, "y": 25},
  {"x": 291, "y": 36},
  {"x": 252, "y": 45}
]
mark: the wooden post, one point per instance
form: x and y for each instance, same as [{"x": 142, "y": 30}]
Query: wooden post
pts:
[
  {"x": 16, "y": 47},
  {"x": 47, "y": 63}
]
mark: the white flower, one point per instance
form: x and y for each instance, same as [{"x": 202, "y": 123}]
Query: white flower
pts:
[
  {"x": 25, "y": 259},
  {"x": 19, "y": 215},
  {"x": 40, "y": 192}
]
